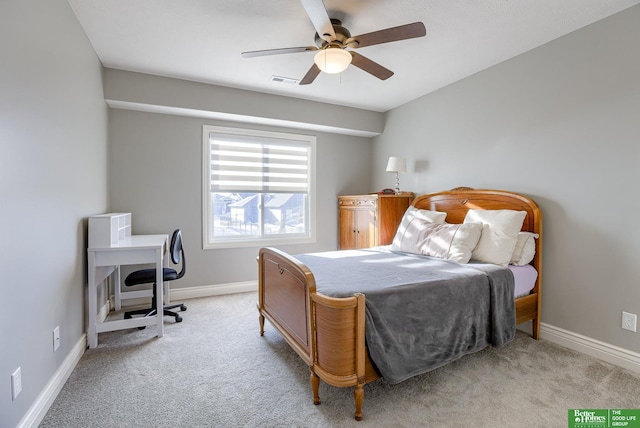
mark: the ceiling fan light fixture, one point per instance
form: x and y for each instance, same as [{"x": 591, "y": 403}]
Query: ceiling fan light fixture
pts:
[{"x": 333, "y": 60}]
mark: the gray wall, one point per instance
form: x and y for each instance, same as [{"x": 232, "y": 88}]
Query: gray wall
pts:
[
  {"x": 144, "y": 92},
  {"x": 155, "y": 173},
  {"x": 53, "y": 135},
  {"x": 561, "y": 124},
  {"x": 155, "y": 160}
]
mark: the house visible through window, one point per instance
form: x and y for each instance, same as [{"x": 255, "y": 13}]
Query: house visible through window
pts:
[{"x": 257, "y": 187}]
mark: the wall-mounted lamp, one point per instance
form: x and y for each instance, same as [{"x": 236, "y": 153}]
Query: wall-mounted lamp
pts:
[
  {"x": 397, "y": 165},
  {"x": 332, "y": 60}
]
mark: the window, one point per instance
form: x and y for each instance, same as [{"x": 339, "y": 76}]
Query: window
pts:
[{"x": 257, "y": 187}]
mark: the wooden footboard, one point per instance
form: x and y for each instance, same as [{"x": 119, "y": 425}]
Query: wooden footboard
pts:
[
  {"x": 327, "y": 332},
  {"x": 284, "y": 289},
  {"x": 340, "y": 357}
]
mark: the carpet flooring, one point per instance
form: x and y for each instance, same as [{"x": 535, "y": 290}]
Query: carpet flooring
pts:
[{"x": 215, "y": 370}]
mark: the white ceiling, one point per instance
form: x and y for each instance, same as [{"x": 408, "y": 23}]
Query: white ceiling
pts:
[{"x": 201, "y": 40}]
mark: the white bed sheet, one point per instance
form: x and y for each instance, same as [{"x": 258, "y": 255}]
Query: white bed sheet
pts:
[{"x": 525, "y": 279}]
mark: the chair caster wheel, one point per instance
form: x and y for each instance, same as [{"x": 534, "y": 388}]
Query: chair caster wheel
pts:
[
  {"x": 183, "y": 307},
  {"x": 178, "y": 318}
]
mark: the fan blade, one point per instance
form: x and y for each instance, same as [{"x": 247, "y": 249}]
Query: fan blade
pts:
[
  {"x": 266, "y": 52},
  {"x": 319, "y": 18},
  {"x": 311, "y": 75},
  {"x": 403, "y": 32},
  {"x": 370, "y": 67}
]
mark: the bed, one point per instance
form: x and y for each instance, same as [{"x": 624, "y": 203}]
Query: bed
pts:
[{"x": 355, "y": 316}]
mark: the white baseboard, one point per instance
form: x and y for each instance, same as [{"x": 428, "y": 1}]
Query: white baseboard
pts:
[
  {"x": 104, "y": 311},
  {"x": 45, "y": 399},
  {"x": 612, "y": 354},
  {"x": 179, "y": 294}
]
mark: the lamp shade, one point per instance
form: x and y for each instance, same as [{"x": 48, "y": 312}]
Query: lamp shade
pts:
[
  {"x": 332, "y": 60},
  {"x": 397, "y": 164}
]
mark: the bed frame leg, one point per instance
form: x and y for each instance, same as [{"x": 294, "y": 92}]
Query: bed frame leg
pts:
[
  {"x": 535, "y": 331},
  {"x": 261, "y": 320},
  {"x": 358, "y": 395},
  {"x": 315, "y": 386}
]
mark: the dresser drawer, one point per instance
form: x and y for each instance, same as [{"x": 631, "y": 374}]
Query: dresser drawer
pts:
[{"x": 358, "y": 202}]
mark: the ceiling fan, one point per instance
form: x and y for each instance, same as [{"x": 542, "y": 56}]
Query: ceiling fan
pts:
[{"x": 332, "y": 41}]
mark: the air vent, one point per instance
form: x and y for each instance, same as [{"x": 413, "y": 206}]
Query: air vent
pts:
[{"x": 288, "y": 80}]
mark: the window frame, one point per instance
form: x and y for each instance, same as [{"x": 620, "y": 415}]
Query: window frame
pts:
[{"x": 264, "y": 239}]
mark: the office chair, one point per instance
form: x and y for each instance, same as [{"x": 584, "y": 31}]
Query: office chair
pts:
[{"x": 148, "y": 276}]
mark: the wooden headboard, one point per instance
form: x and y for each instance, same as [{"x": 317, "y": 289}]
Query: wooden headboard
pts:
[{"x": 456, "y": 202}]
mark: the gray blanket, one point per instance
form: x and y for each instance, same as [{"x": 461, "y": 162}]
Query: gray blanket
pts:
[{"x": 421, "y": 312}]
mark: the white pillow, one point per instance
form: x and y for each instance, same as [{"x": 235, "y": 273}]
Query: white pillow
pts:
[
  {"x": 410, "y": 233},
  {"x": 412, "y": 236},
  {"x": 451, "y": 241},
  {"x": 525, "y": 249},
  {"x": 436, "y": 217},
  {"x": 500, "y": 230}
]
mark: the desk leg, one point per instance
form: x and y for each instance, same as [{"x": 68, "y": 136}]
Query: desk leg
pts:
[
  {"x": 165, "y": 286},
  {"x": 116, "y": 289},
  {"x": 92, "y": 334},
  {"x": 159, "y": 293}
]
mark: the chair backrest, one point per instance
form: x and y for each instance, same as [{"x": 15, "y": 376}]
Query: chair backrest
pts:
[{"x": 177, "y": 252}]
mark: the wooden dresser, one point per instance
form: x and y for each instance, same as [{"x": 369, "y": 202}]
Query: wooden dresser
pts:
[{"x": 368, "y": 220}]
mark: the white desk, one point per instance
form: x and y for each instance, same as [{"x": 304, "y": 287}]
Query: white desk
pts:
[{"x": 103, "y": 261}]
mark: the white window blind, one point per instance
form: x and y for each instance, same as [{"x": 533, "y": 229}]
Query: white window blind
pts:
[
  {"x": 258, "y": 187},
  {"x": 248, "y": 163}
]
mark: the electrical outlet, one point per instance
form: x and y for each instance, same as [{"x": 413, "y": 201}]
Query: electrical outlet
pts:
[
  {"x": 16, "y": 383},
  {"x": 629, "y": 321},
  {"x": 56, "y": 338}
]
